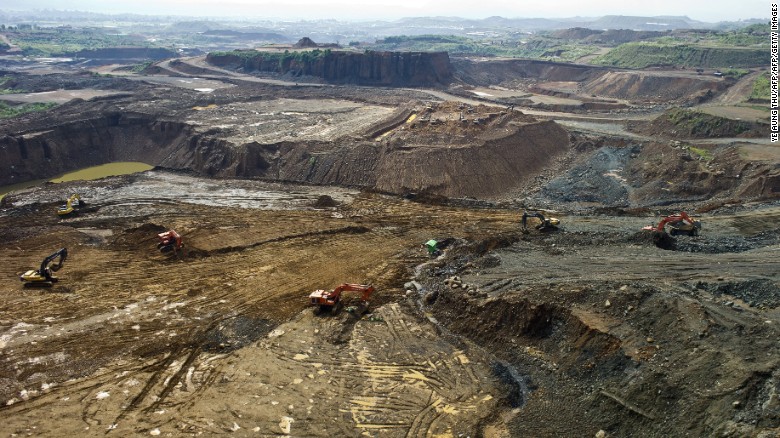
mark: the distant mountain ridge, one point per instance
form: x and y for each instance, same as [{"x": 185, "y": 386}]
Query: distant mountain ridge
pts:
[{"x": 606, "y": 22}]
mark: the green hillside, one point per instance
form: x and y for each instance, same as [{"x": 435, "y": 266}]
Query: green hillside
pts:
[{"x": 646, "y": 54}]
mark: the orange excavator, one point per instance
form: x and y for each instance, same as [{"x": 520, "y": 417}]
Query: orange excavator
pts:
[
  {"x": 169, "y": 241},
  {"x": 331, "y": 300},
  {"x": 679, "y": 223}
]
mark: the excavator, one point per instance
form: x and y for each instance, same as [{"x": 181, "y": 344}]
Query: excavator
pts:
[
  {"x": 169, "y": 241},
  {"x": 331, "y": 300},
  {"x": 43, "y": 276},
  {"x": 679, "y": 223},
  {"x": 73, "y": 202},
  {"x": 545, "y": 224}
]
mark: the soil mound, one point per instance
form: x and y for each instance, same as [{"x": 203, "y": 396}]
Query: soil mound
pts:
[
  {"x": 652, "y": 87},
  {"x": 144, "y": 235},
  {"x": 655, "y": 238},
  {"x": 325, "y": 201},
  {"x": 305, "y": 43},
  {"x": 685, "y": 123}
]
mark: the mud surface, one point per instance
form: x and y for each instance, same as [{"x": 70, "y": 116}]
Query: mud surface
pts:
[{"x": 219, "y": 338}]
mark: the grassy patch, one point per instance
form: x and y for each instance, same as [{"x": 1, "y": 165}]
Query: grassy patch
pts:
[
  {"x": 536, "y": 48},
  {"x": 734, "y": 73},
  {"x": 703, "y": 153},
  {"x": 761, "y": 88},
  {"x": 138, "y": 68},
  {"x": 646, "y": 54},
  {"x": 63, "y": 41},
  {"x": 8, "y": 111},
  {"x": 250, "y": 57},
  {"x": 4, "y": 90},
  {"x": 700, "y": 124}
]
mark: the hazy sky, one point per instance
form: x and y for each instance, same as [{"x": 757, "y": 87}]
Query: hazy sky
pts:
[{"x": 704, "y": 10}]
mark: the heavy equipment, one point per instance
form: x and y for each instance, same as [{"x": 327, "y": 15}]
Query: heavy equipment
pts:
[
  {"x": 545, "y": 224},
  {"x": 169, "y": 241},
  {"x": 432, "y": 246},
  {"x": 331, "y": 300},
  {"x": 678, "y": 223},
  {"x": 43, "y": 276},
  {"x": 74, "y": 202}
]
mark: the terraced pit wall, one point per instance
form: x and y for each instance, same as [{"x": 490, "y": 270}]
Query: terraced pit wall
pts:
[
  {"x": 488, "y": 167},
  {"x": 595, "y": 80}
]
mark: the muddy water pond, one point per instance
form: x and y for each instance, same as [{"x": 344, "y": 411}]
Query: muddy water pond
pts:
[
  {"x": 103, "y": 170},
  {"x": 89, "y": 173}
]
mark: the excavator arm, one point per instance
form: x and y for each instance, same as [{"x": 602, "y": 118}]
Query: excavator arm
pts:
[
  {"x": 526, "y": 215},
  {"x": 62, "y": 254}
]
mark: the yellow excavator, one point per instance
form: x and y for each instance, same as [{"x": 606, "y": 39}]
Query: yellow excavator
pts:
[
  {"x": 73, "y": 202},
  {"x": 545, "y": 223},
  {"x": 43, "y": 277}
]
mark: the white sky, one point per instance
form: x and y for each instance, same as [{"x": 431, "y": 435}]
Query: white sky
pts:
[{"x": 712, "y": 10}]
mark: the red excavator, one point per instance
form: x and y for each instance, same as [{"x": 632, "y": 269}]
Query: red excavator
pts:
[
  {"x": 169, "y": 241},
  {"x": 679, "y": 223},
  {"x": 331, "y": 300}
]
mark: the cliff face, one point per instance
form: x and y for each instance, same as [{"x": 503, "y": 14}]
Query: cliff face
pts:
[
  {"x": 486, "y": 168},
  {"x": 88, "y": 142},
  {"x": 370, "y": 68}
]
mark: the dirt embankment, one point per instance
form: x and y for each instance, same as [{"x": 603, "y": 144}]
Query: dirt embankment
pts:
[
  {"x": 487, "y": 73},
  {"x": 686, "y": 174},
  {"x": 640, "y": 174},
  {"x": 590, "y": 81},
  {"x": 654, "y": 87}
]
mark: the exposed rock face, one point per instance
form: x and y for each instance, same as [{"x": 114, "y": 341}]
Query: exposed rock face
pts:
[
  {"x": 84, "y": 143},
  {"x": 370, "y": 68},
  {"x": 487, "y": 168}
]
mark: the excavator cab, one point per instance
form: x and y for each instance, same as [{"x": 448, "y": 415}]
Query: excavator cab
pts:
[
  {"x": 169, "y": 241},
  {"x": 545, "y": 224},
  {"x": 43, "y": 277},
  {"x": 330, "y": 301}
]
